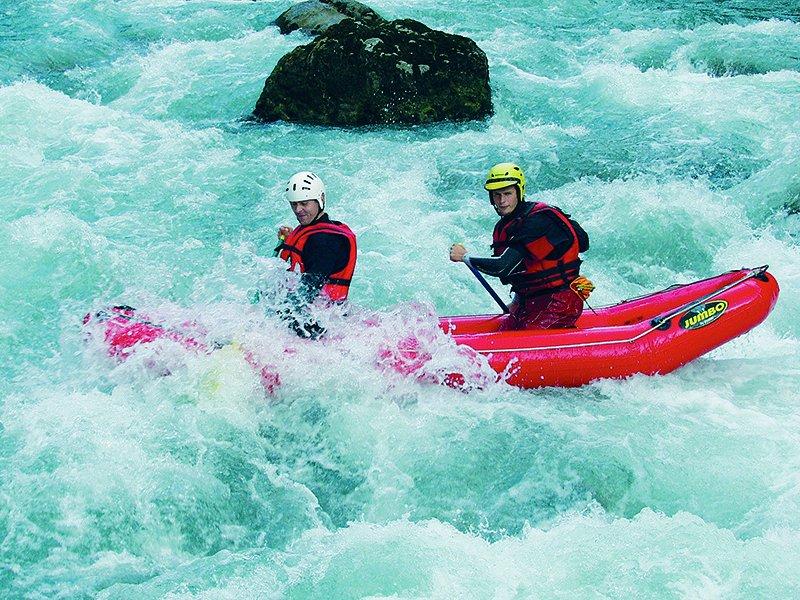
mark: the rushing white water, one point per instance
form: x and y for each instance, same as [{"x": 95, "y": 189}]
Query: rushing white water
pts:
[{"x": 128, "y": 174}]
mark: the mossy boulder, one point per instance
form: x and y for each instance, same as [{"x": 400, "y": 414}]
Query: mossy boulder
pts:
[
  {"x": 390, "y": 72},
  {"x": 316, "y": 16}
]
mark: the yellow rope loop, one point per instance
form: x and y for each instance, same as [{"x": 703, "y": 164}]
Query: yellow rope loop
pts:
[{"x": 583, "y": 287}]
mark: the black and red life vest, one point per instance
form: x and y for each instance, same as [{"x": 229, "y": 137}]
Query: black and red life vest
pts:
[
  {"x": 541, "y": 271},
  {"x": 337, "y": 284}
]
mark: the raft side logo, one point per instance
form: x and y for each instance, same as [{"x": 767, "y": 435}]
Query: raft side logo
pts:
[{"x": 703, "y": 314}]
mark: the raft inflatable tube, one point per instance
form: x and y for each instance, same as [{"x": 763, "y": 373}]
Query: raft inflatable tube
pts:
[
  {"x": 123, "y": 330},
  {"x": 652, "y": 334}
]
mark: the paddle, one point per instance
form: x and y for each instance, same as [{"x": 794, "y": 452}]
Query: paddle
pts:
[
  {"x": 283, "y": 232},
  {"x": 486, "y": 285}
]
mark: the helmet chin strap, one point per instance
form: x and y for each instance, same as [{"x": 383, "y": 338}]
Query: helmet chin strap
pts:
[{"x": 321, "y": 206}]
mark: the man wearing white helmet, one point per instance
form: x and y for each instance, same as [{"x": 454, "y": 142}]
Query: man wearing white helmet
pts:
[{"x": 323, "y": 250}]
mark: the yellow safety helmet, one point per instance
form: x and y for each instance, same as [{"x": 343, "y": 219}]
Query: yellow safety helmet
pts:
[{"x": 503, "y": 175}]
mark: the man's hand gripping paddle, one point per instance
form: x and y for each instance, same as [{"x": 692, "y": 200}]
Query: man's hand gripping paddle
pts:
[{"x": 486, "y": 285}]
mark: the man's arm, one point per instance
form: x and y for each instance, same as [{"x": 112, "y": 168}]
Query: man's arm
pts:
[
  {"x": 496, "y": 266},
  {"x": 499, "y": 266}
]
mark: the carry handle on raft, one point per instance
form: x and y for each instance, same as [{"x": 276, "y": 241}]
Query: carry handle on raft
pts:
[{"x": 486, "y": 285}]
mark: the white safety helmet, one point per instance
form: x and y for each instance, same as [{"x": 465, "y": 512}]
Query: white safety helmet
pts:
[{"x": 304, "y": 186}]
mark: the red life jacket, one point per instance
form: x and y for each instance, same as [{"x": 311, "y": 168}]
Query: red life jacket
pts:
[
  {"x": 338, "y": 284},
  {"x": 540, "y": 275}
]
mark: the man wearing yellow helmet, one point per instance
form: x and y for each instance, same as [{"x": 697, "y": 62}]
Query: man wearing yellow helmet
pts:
[{"x": 535, "y": 248}]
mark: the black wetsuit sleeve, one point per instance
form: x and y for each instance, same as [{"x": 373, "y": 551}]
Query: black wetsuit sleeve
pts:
[{"x": 499, "y": 266}]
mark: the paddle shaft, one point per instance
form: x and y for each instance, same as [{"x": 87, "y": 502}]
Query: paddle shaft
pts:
[
  {"x": 486, "y": 285},
  {"x": 281, "y": 239}
]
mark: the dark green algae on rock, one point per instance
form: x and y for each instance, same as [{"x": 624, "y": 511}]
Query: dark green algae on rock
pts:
[{"x": 390, "y": 72}]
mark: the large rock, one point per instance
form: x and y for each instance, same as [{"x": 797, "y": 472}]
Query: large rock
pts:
[
  {"x": 316, "y": 16},
  {"x": 392, "y": 72}
]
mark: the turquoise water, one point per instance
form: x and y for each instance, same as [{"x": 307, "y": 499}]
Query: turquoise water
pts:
[{"x": 670, "y": 131}]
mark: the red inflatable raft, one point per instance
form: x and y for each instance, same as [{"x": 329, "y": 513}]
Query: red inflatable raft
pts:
[
  {"x": 652, "y": 334},
  {"x": 123, "y": 330},
  {"x": 656, "y": 333}
]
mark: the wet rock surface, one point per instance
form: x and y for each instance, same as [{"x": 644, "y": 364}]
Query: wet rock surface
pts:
[
  {"x": 385, "y": 72},
  {"x": 316, "y": 16}
]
